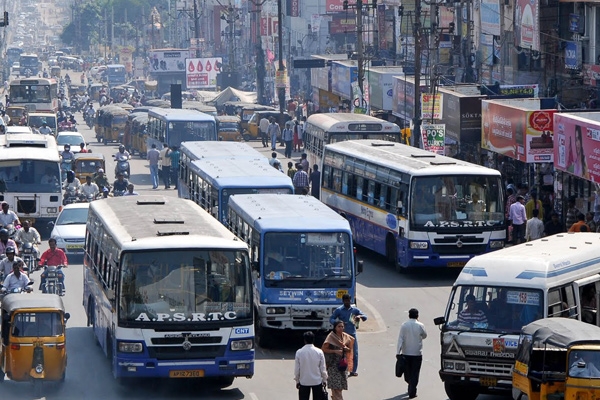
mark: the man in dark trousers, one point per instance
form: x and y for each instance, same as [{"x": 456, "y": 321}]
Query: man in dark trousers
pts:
[
  {"x": 310, "y": 372},
  {"x": 410, "y": 347}
]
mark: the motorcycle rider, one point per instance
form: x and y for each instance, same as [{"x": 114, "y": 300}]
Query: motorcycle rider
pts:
[
  {"x": 90, "y": 113},
  {"x": 53, "y": 256},
  {"x": 67, "y": 154},
  {"x": 122, "y": 155},
  {"x": 89, "y": 188},
  {"x": 6, "y": 242},
  {"x": 16, "y": 279},
  {"x": 82, "y": 148},
  {"x": 101, "y": 180},
  {"x": 28, "y": 234},
  {"x": 8, "y": 217},
  {"x": 71, "y": 183},
  {"x": 120, "y": 185},
  {"x": 6, "y": 265},
  {"x": 45, "y": 129}
]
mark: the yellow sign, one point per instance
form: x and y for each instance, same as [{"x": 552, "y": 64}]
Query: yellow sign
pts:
[
  {"x": 281, "y": 79},
  {"x": 431, "y": 106}
]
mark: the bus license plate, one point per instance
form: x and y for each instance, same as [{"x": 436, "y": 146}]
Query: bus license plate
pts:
[
  {"x": 456, "y": 264},
  {"x": 488, "y": 381},
  {"x": 340, "y": 293},
  {"x": 190, "y": 373}
]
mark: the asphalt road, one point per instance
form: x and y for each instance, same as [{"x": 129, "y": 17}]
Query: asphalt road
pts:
[{"x": 384, "y": 295}]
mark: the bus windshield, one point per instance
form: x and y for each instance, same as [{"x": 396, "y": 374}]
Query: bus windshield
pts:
[
  {"x": 184, "y": 285},
  {"x": 35, "y": 176},
  {"x": 307, "y": 258},
  {"x": 493, "y": 308},
  {"x": 190, "y": 132},
  {"x": 30, "y": 94},
  {"x": 28, "y": 61},
  {"x": 456, "y": 201}
]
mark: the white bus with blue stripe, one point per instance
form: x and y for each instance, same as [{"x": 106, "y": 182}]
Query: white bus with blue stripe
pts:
[
  {"x": 302, "y": 260},
  {"x": 174, "y": 126},
  {"x": 417, "y": 208},
  {"x": 556, "y": 276},
  {"x": 167, "y": 290}
]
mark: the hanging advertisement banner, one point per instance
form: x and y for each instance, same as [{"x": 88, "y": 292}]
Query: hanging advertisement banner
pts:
[
  {"x": 527, "y": 24},
  {"x": 126, "y": 58},
  {"x": 490, "y": 17},
  {"x": 431, "y": 106},
  {"x": 578, "y": 141},
  {"x": 434, "y": 137},
  {"x": 201, "y": 73}
]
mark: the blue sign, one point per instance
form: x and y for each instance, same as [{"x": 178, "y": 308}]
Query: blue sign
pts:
[
  {"x": 242, "y": 331},
  {"x": 342, "y": 76},
  {"x": 573, "y": 22},
  {"x": 571, "y": 55}
]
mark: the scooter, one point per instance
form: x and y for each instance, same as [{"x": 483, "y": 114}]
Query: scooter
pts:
[
  {"x": 53, "y": 284},
  {"x": 122, "y": 167}
]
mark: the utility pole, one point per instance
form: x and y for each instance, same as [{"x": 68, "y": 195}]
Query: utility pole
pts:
[
  {"x": 260, "y": 55},
  {"x": 197, "y": 28},
  {"x": 280, "y": 82},
  {"x": 359, "y": 45},
  {"x": 417, "y": 31}
]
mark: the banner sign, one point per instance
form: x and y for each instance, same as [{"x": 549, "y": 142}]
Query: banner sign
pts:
[
  {"x": 571, "y": 55},
  {"x": 578, "y": 141},
  {"x": 201, "y": 73},
  {"x": 431, "y": 106},
  {"x": 527, "y": 24},
  {"x": 165, "y": 61},
  {"x": 490, "y": 17},
  {"x": 434, "y": 136}
]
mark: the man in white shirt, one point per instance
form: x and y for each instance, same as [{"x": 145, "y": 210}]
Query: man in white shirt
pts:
[
  {"x": 310, "y": 372},
  {"x": 45, "y": 130},
  {"x": 519, "y": 218},
  {"x": 8, "y": 217},
  {"x": 6, "y": 265},
  {"x": 410, "y": 347},
  {"x": 535, "y": 227},
  {"x": 89, "y": 188},
  {"x": 28, "y": 234},
  {"x": 263, "y": 126},
  {"x": 16, "y": 279}
]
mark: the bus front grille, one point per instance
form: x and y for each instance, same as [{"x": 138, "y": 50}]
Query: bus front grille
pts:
[
  {"x": 178, "y": 352},
  {"x": 454, "y": 250},
  {"x": 26, "y": 206},
  {"x": 504, "y": 370},
  {"x": 192, "y": 340}
]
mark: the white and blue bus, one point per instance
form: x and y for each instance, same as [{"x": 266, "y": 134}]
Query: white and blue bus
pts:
[
  {"x": 213, "y": 181},
  {"x": 116, "y": 75},
  {"x": 226, "y": 151},
  {"x": 174, "y": 126},
  {"x": 167, "y": 290},
  {"x": 302, "y": 257},
  {"x": 417, "y": 208},
  {"x": 326, "y": 128},
  {"x": 30, "y": 176}
]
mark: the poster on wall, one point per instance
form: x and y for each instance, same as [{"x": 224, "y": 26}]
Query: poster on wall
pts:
[
  {"x": 201, "y": 73},
  {"x": 577, "y": 146},
  {"x": 165, "y": 61},
  {"x": 527, "y": 28}
]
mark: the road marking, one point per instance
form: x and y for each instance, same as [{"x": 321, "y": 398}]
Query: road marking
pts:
[
  {"x": 253, "y": 396},
  {"x": 374, "y": 313}
]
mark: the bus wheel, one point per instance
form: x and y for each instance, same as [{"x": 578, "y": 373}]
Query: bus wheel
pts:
[
  {"x": 391, "y": 252},
  {"x": 261, "y": 334},
  {"x": 458, "y": 392},
  {"x": 247, "y": 137},
  {"x": 224, "y": 381}
]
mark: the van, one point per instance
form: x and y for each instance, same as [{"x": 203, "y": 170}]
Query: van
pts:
[{"x": 498, "y": 293}]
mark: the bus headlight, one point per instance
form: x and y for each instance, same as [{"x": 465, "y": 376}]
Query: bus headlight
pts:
[
  {"x": 128, "y": 347},
  {"x": 245, "y": 344},
  {"x": 419, "y": 245},
  {"x": 460, "y": 366},
  {"x": 275, "y": 310},
  {"x": 448, "y": 365},
  {"x": 52, "y": 210},
  {"x": 496, "y": 244}
]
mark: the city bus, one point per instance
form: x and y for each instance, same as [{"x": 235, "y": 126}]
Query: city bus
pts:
[
  {"x": 417, "y": 208},
  {"x": 213, "y": 181},
  {"x": 556, "y": 276},
  {"x": 167, "y": 290},
  {"x": 29, "y": 64},
  {"x": 30, "y": 176},
  {"x": 116, "y": 75},
  {"x": 227, "y": 151},
  {"x": 13, "y": 55},
  {"x": 174, "y": 126},
  {"x": 303, "y": 256},
  {"x": 325, "y": 128},
  {"x": 37, "y": 94}
]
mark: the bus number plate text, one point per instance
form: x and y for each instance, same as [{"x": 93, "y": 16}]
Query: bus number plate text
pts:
[
  {"x": 488, "y": 381},
  {"x": 192, "y": 373},
  {"x": 456, "y": 264}
]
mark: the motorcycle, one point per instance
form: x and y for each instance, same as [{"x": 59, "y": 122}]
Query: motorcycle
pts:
[
  {"x": 12, "y": 230},
  {"x": 5, "y": 292},
  {"x": 71, "y": 196},
  {"x": 118, "y": 193},
  {"x": 28, "y": 256},
  {"x": 53, "y": 275},
  {"x": 89, "y": 119}
]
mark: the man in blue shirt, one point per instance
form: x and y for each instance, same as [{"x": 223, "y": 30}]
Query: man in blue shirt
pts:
[{"x": 350, "y": 315}]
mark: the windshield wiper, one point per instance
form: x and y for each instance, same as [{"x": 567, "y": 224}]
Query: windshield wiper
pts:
[{"x": 326, "y": 277}]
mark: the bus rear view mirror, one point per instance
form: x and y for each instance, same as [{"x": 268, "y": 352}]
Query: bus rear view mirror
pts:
[
  {"x": 439, "y": 321},
  {"x": 360, "y": 266}
]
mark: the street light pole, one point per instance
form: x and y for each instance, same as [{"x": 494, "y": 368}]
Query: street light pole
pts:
[
  {"x": 280, "y": 81},
  {"x": 197, "y": 28},
  {"x": 417, "y": 114}
]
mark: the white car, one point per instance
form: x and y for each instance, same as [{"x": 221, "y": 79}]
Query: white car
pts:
[
  {"x": 69, "y": 228},
  {"x": 74, "y": 139}
]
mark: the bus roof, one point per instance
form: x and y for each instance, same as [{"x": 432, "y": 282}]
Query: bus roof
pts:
[
  {"x": 28, "y": 146},
  {"x": 175, "y": 114},
  {"x": 542, "y": 263},
  {"x": 220, "y": 149},
  {"x": 407, "y": 158},
  {"x": 240, "y": 173},
  {"x": 33, "y": 81},
  {"x": 161, "y": 222},
  {"x": 287, "y": 212},
  {"x": 344, "y": 122}
]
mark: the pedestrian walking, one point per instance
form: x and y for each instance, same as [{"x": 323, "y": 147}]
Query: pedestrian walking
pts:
[
  {"x": 273, "y": 132},
  {"x": 519, "y": 219},
  {"x": 310, "y": 372},
  {"x": 175, "y": 156},
  {"x": 263, "y": 126},
  {"x": 165, "y": 163},
  {"x": 315, "y": 182},
  {"x": 153, "y": 157},
  {"x": 300, "y": 181},
  {"x": 338, "y": 357},
  {"x": 291, "y": 170},
  {"x": 350, "y": 315},
  {"x": 410, "y": 347},
  {"x": 288, "y": 138},
  {"x": 535, "y": 227}
]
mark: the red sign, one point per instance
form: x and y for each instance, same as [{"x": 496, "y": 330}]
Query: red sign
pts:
[
  {"x": 340, "y": 25},
  {"x": 577, "y": 146},
  {"x": 541, "y": 120},
  {"x": 334, "y": 6},
  {"x": 295, "y": 9}
]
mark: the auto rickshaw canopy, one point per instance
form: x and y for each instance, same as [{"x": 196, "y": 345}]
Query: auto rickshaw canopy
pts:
[
  {"x": 561, "y": 332},
  {"x": 14, "y": 302}
]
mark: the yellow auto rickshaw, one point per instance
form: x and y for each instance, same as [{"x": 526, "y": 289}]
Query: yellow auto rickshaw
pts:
[
  {"x": 33, "y": 338},
  {"x": 95, "y": 89},
  {"x": 557, "y": 359},
  {"x": 229, "y": 128},
  {"x": 87, "y": 164},
  {"x": 245, "y": 111},
  {"x": 110, "y": 124},
  {"x": 16, "y": 113},
  {"x": 138, "y": 133}
]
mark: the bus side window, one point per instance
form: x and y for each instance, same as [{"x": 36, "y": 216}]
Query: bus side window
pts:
[
  {"x": 359, "y": 187},
  {"x": 370, "y": 192},
  {"x": 337, "y": 180},
  {"x": 327, "y": 177},
  {"x": 561, "y": 302}
]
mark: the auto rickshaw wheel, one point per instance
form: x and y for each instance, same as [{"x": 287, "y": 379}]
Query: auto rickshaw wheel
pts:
[{"x": 247, "y": 137}]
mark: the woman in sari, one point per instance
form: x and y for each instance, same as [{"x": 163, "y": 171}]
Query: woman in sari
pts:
[{"x": 338, "y": 344}]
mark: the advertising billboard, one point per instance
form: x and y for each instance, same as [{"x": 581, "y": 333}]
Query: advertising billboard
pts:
[
  {"x": 342, "y": 76},
  {"x": 201, "y": 73},
  {"x": 168, "y": 60},
  {"x": 577, "y": 146}
]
